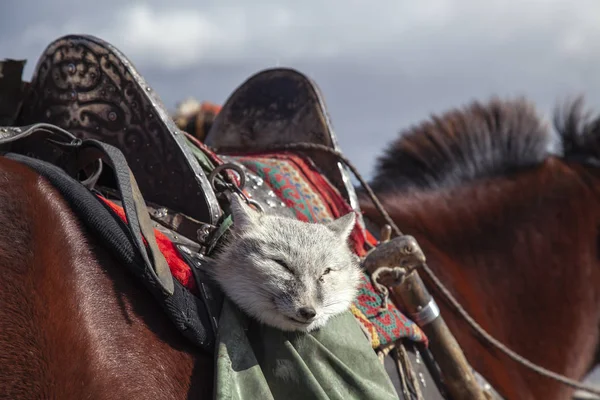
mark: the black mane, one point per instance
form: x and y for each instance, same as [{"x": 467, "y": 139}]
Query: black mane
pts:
[
  {"x": 478, "y": 141},
  {"x": 579, "y": 132}
]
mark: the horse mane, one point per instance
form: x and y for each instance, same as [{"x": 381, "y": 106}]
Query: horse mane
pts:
[
  {"x": 475, "y": 142},
  {"x": 579, "y": 132}
]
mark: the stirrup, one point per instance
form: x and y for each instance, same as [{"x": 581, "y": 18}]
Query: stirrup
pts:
[{"x": 88, "y": 87}]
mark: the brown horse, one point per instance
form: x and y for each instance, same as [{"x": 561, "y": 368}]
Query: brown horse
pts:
[
  {"x": 507, "y": 213},
  {"x": 74, "y": 324},
  {"x": 509, "y": 228}
]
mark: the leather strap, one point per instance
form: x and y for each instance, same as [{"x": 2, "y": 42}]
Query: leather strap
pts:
[
  {"x": 195, "y": 231},
  {"x": 134, "y": 205},
  {"x": 80, "y": 154}
]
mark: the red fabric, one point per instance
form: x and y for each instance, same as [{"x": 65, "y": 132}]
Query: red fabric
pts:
[
  {"x": 179, "y": 268},
  {"x": 370, "y": 238}
]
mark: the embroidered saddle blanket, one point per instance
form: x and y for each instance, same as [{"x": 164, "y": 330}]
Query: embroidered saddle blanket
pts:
[{"x": 296, "y": 182}]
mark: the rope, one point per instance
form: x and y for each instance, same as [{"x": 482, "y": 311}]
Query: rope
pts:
[
  {"x": 401, "y": 351},
  {"x": 440, "y": 286},
  {"x": 500, "y": 346}
]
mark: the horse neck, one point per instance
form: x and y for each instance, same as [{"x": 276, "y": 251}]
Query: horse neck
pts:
[
  {"x": 520, "y": 253},
  {"x": 70, "y": 313}
]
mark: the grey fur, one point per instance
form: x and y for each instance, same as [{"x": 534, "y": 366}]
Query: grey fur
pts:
[{"x": 274, "y": 293}]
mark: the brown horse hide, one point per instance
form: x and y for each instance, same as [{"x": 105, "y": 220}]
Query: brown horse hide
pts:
[{"x": 73, "y": 323}]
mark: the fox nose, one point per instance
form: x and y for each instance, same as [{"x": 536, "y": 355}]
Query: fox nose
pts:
[{"x": 307, "y": 313}]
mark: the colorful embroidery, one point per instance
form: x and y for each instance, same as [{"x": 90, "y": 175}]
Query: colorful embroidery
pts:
[{"x": 290, "y": 186}]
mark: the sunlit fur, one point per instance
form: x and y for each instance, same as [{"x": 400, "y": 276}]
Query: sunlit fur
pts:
[{"x": 273, "y": 266}]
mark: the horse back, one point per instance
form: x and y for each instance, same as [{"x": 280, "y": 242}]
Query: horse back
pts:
[{"x": 520, "y": 253}]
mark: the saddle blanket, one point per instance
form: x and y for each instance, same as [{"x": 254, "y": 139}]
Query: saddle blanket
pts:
[{"x": 297, "y": 182}]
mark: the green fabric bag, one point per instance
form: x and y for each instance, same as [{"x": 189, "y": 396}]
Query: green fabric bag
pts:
[{"x": 255, "y": 361}]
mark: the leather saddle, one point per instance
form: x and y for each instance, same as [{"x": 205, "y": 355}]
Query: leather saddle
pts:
[
  {"x": 88, "y": 87},
  {"x": 280, "y": 106}
]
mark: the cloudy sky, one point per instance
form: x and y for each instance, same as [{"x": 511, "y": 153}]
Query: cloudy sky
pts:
[{"x": 381, "y": 65}]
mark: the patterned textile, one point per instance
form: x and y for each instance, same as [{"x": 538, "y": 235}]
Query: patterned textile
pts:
[
  {"x": 390, "y": 325},
  {"x": 297, "y": 182}
]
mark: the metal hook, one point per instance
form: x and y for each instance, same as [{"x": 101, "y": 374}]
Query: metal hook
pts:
[
  {"x": 231, "y": 186},
  {"x": 222, "y": 167}
]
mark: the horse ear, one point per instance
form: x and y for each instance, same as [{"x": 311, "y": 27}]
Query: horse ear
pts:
[
  {"x": 343, "y": 225},
  {"x": 244, "y": 216}
]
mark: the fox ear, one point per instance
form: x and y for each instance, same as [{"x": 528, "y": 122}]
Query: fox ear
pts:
[
  {"x": 244, "y": 217},
  {"x": 343, "y": 225}
]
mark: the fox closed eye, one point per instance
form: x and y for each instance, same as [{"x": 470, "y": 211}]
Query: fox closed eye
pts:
[
  {"x": 283, "y": 264},
  {"x": 322, "y": 277}
]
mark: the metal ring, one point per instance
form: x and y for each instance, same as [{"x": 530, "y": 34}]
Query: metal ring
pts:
[
  {"x": 219, "y": 168},
  {"x": 427, "y": 314}
]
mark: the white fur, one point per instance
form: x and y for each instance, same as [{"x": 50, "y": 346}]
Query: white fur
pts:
[{"x": 248, "y": 274}]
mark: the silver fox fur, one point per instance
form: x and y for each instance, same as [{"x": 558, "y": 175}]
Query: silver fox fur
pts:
[{"x": 288, "y": 274}]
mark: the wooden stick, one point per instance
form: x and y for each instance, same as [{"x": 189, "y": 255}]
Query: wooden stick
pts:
[
  {"x": 454, "y": 367},
  {"x": 386, "y": 233}
]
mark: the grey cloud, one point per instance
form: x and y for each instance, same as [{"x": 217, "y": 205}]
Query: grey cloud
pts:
[{"x": 381, "y": 68}]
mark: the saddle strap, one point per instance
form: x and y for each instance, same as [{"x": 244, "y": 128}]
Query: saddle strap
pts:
[
  {"x": 79, "y": 154},
  {"x": 134, "y": 206}
]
